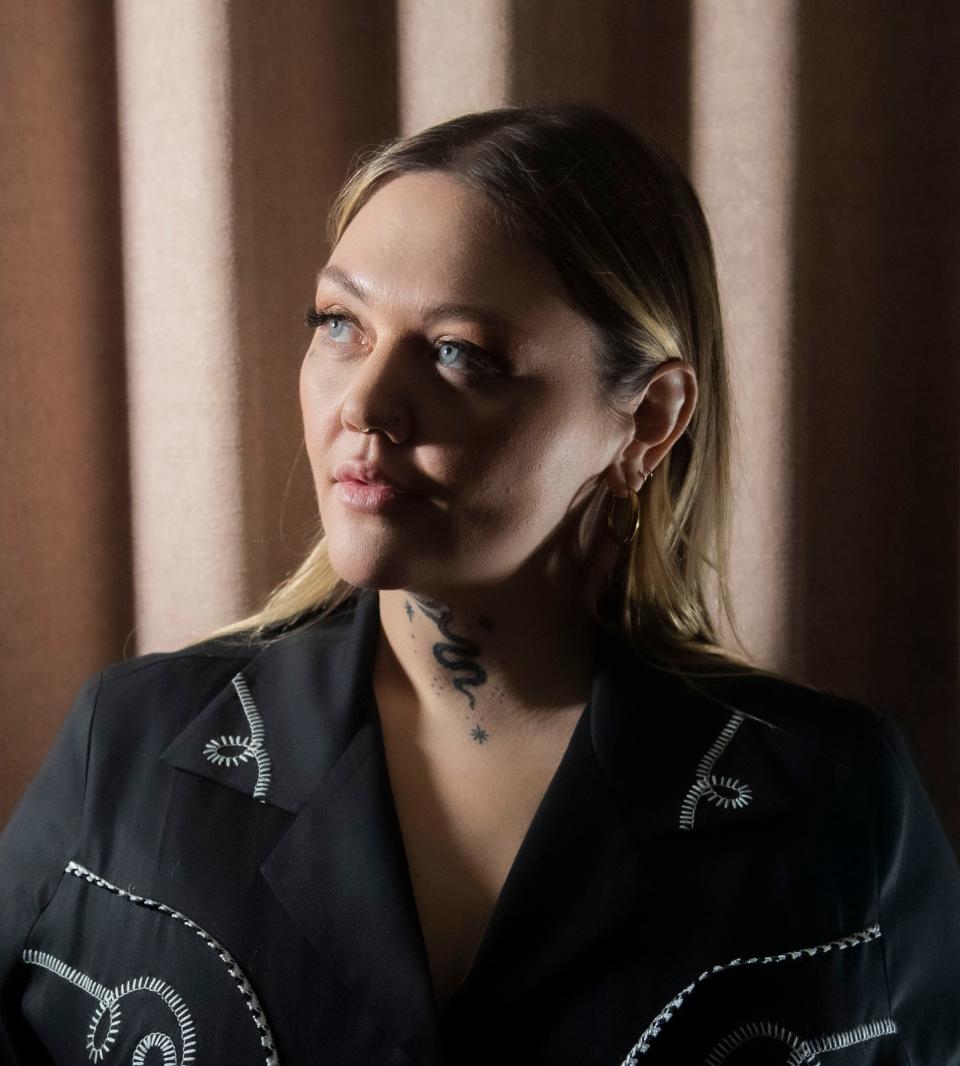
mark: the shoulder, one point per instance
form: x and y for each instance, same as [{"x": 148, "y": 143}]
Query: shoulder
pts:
[
  {"x": 165, "y": 689},
  {"x": 183, "y": 675},
  {"x": 828, "y": 736},
  {"x": 216, "y": 656},
  {"x": 838, "y": 727},
  {"x": 865, "y": 742}
]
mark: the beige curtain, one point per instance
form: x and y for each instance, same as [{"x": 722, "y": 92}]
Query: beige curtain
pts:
[{"x": 166, "y": 169}]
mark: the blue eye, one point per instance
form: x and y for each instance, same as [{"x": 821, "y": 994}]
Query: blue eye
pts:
[
  {"x": 314, "y": 319},
  {"x": 449, "y": 344}
]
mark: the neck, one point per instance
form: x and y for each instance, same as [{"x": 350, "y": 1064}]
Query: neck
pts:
[{"x": 488, "y": 664}]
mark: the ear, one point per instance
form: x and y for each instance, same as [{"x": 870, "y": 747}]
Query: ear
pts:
[{"x": 662, "y": 413}]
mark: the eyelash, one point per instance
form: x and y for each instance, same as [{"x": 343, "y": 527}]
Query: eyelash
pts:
[{"x": 314, "y": 319}]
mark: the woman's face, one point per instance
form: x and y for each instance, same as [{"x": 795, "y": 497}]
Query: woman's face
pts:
[{"x": 494, "y": 440}]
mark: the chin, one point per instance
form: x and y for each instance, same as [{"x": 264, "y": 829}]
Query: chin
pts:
[{"x": 365, "y": 565}]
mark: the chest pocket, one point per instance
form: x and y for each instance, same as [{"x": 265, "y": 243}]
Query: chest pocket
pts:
[
  {"x": 118, "y": 976},
  {"x": 790, "y": 1009}
]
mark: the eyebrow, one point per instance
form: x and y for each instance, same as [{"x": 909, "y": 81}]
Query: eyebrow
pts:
[{"x": 485, "y": 314}]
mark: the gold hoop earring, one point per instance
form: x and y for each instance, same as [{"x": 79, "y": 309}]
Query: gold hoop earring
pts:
[{"x": 634, "y": 497}]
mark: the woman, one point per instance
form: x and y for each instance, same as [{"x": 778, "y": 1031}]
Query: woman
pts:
[{"x": 479, "y": 784}]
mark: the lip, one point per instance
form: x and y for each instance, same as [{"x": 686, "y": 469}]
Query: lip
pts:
[
  {"x": 371, "y": 499},
  {"x": 366, "y": 472}
]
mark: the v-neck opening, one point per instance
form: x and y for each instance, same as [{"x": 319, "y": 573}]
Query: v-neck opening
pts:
[
  {"x": 534, "y": 832},
  {"x": 534, "y": 836}
]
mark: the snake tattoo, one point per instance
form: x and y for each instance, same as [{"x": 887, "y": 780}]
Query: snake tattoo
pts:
[{"x": 459, "y": 654}]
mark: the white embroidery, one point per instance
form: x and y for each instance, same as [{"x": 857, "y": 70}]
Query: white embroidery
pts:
[
  {"x": 160, "y": 1040},
  {"x": 251, "y": 747},
  {"x": 803, "y": 1052},
  {"x": 642, "y": 1046},
  {"x": 108, "y": 1000},
  {"x": 706, "y": 784},
  {"x": 108, "y": 997}
]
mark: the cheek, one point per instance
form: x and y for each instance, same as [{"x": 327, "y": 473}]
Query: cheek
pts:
[
  {"x": 304, "y": 382},
  {"x": 315, "y": 396},
  {"x": 314, "y": 413},
  {"x": 513, "y": 472},
  {"x": 540, "y": 470},
  {"x": 303, "y": 397}
]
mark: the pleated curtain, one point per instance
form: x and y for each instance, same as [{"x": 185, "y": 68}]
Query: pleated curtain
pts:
[{"x": 166, "y": 173}]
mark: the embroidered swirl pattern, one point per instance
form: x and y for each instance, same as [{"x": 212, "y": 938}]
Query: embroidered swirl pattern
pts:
[
  {"x": 642, "y": 1046},
  {"x": 251, "y": 747},
  {"x": 107, "y": 999},
  {"x": 721, "y": 791},
  {"x": 802, "y": 1052}
]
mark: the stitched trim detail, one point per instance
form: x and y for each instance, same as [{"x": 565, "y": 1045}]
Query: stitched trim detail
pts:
[
  {"x": 721, "y": 791},
  {"x": 642, "y": 1046},
  {"x": 108, "y": 1000},
  {"x": 159, "y": 1040},
  {"x": 803, "y": 1052},
  {"x": 251, "y": 747},
  {"x": 239, "y": 977}
]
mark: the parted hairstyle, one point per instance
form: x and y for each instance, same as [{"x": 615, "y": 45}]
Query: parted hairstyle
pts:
[{"x": 617, "y": 216}]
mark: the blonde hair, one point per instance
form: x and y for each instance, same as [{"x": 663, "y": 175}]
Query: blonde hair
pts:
[{"x": 623, "y": 225}]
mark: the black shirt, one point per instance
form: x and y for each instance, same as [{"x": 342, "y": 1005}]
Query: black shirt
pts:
[{"x": 208, "y": 868}]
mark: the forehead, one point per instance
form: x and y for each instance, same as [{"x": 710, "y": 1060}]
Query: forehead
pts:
[{"x": 428, "y": 238}]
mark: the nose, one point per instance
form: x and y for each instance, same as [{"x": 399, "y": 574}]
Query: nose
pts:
[{"x": 378, "y": 394}]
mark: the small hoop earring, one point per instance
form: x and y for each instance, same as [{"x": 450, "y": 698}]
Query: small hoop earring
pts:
[{"x": 634, "y": 523}]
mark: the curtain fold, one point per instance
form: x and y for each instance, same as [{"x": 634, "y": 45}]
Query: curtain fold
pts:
[{"x": 165, "y": 181}]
